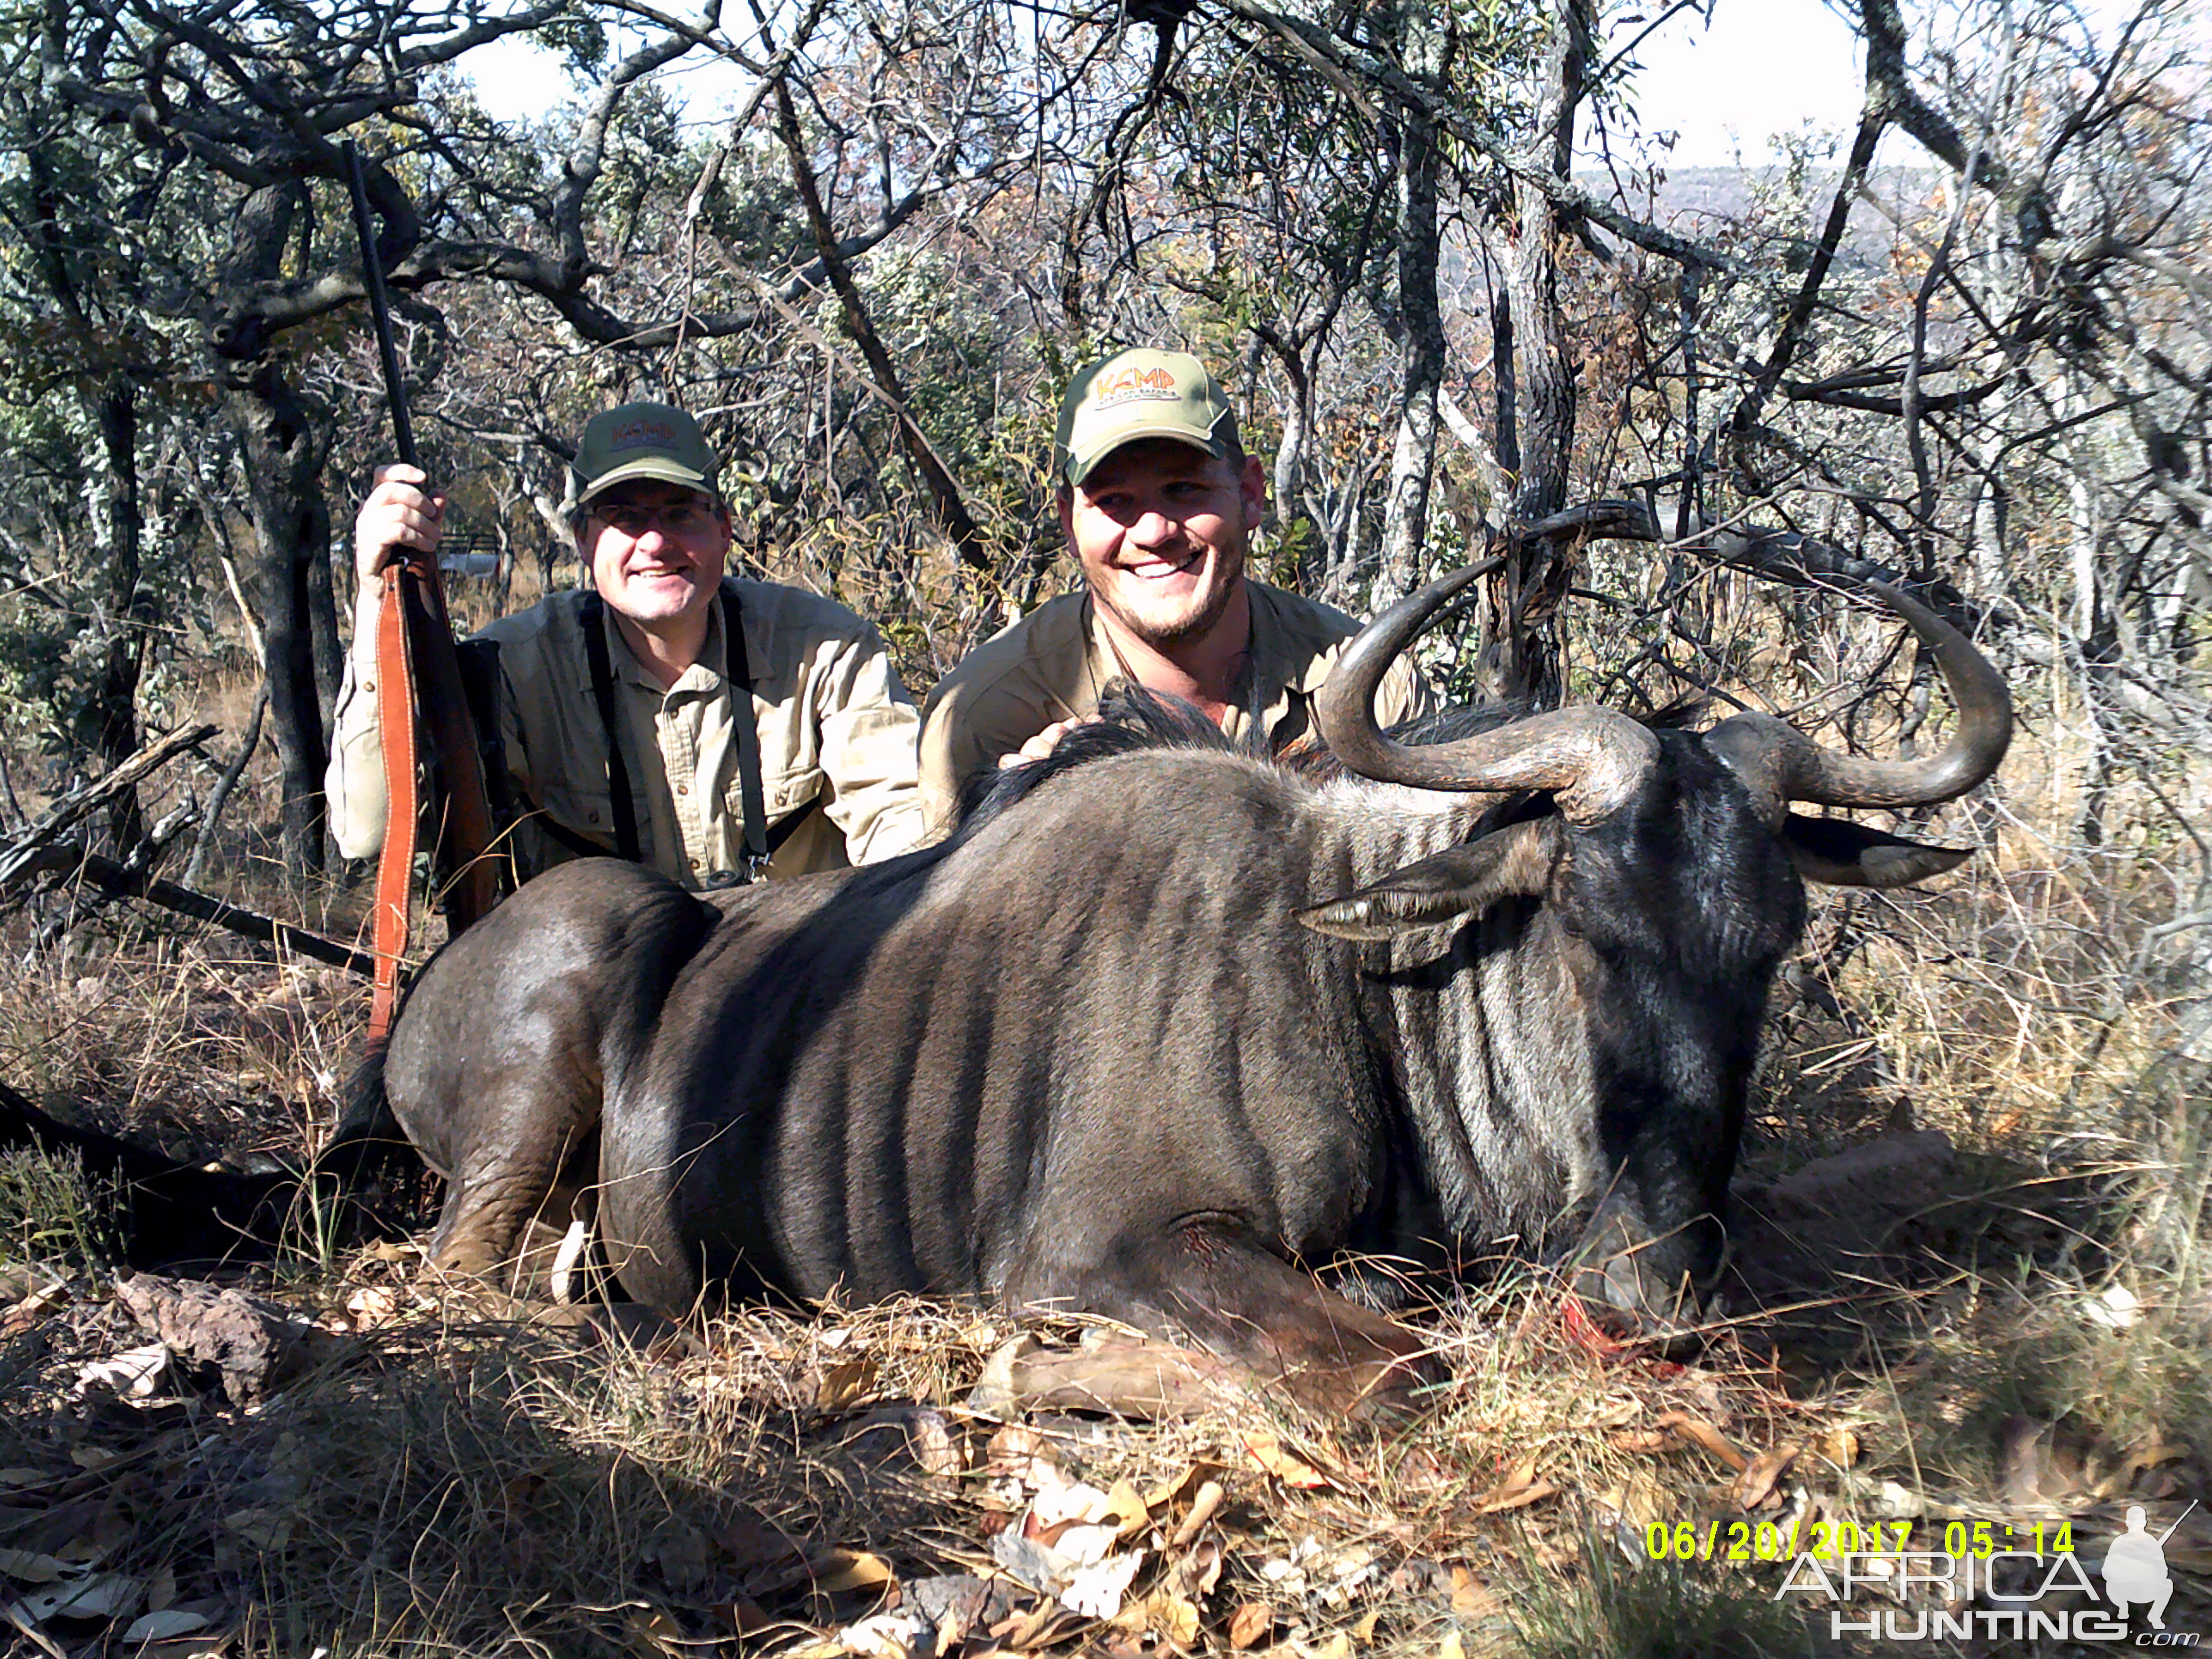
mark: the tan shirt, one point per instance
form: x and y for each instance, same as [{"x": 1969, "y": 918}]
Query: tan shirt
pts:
[
  {"x": 836, "y": 730},
  {"x": 1054, "y": 665}
]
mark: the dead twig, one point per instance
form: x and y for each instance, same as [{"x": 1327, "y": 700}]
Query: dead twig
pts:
[
  {"x": 27, "y": 849},
  {"x": 70, "y": 859}
]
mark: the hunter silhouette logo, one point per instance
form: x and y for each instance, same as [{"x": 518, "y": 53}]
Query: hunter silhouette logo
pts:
[{"x": 2134, "y": 1567}]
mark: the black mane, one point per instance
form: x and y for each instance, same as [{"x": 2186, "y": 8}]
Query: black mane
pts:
[{"x": 1132, "y": 717}]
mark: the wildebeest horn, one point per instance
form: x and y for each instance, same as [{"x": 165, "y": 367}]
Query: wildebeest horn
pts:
[
  {"x": 1773, "y": 756},
  {"x": 1593, "y": 758}
]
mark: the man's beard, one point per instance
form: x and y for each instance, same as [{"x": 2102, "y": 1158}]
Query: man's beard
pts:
[{"x": 1192, "y": 627}]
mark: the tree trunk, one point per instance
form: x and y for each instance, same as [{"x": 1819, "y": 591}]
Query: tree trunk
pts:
[
  {"x": 115, "y": 716},
  {"x": 283, "y": 452},
  {"x": 1526, "y": 659},
  {"x": 1426, "y": 53}
]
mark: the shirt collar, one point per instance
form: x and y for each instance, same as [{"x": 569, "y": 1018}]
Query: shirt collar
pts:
[
  {"x": 1271, "y": 667},
  {"x": 706, "y": 673}
]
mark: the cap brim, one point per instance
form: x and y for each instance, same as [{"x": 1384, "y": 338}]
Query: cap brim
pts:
[
  {"x": 1080, "y": 467},
  {"x": 661, "y": 471}
]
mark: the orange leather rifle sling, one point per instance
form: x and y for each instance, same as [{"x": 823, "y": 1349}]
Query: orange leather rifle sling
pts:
[{"x": 418, "y": 677}]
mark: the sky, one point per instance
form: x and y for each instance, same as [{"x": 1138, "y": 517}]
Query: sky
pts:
[{"x": 1760, "y": 68}]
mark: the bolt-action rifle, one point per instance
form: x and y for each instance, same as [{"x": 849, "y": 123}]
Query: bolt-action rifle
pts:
[{"x": 420, "y": 701}]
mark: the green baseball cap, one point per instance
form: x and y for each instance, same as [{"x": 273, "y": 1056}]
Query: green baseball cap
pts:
[
  {"x": 640, "y": 441},
  {"x": 1141, "y": 393}
]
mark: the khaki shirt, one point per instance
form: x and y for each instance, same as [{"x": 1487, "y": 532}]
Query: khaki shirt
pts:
[
  {"x": 1054, "y": 665},
  {"x": 836, "y": 730}
]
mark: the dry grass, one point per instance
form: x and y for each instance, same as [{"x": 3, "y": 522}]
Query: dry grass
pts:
[{"x": 444, "y": 1483}]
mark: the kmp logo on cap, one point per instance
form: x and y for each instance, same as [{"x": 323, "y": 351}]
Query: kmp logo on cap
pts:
[
  {"x": 1124, "y": 384},
  {"x": 1141, "y": 393}
]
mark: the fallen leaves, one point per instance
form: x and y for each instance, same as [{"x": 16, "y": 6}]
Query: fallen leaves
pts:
[
  {"x": 134, "y": 1374},
  {"x": 1291, "y": 1468},
  {"x": 1699, "y": 1432},
  {"x": 42, "y": 1299},
  {"x": 1251, "y": 1532},
  {"x": 1250, "y": 1624},
  {"x": 72, "y": 1585},
  {"x": 1066, "y": 1546},
  {"x": 1470, "y": 1602},
  {"x": 1840, "y": 1445},
  {"x": 846, "y": 1384},
  {"x": 1519, "y": 1489},
  {"x": 1754, "y": 1486},
  {"x": 843, "y": 1570}
]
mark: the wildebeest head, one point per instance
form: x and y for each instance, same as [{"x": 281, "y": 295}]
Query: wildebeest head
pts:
[{"x": 1668, "y": 867}]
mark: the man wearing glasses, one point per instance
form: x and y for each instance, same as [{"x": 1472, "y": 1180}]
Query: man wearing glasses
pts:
[{"x": 713, "y": 727}]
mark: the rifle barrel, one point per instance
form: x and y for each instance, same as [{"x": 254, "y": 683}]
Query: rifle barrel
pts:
[
  {"x": 379, "y": 308},
  {"x": 2176, "y": 1527}
]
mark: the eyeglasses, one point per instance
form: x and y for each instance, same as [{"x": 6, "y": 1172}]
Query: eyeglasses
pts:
[{"x": 677, "y": 519}]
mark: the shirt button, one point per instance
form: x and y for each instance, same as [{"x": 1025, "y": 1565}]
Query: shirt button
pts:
[
  {"x": 683, "y": 788},
  {"x": 694, "y": 864},
  {"x": 368, "y": 685}
]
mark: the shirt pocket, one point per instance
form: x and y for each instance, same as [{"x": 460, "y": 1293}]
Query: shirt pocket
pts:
[
  {"x": 587, "y": 811},
  {"x": 781, "y": 794}
]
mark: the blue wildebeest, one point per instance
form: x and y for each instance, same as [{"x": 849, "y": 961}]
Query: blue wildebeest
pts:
[{"x": 1163, "y": 1025}]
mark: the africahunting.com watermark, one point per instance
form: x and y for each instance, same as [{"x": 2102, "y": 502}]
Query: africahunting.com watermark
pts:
[
  {"x": 1985, "y": 1590},
  {"x": 1990, "y": 1580}
]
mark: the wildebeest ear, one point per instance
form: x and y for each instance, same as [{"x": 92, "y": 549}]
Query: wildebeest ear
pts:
[
  {"x": 1515, "y": 862},
  {"x": 1842, "y": 853}
]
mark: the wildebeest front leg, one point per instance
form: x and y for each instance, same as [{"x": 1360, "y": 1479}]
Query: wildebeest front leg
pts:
[
  {"x": 499, "y": 1065},
  {"x": 1210, "y": 1279},
  {"x": 543, "y": 1175}
]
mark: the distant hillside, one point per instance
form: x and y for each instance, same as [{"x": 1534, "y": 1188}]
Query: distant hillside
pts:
[{"x": 1706, "y": 202}]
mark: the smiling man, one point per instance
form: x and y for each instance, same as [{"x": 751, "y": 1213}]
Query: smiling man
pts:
[
  {"x": 711, "y": 726},
  {"x": 1158, "y": 502}
]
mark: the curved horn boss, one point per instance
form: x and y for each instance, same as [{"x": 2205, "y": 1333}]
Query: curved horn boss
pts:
[
  {"x": 1774, "y": 758},
  {"x": 1592, "y": 758}
]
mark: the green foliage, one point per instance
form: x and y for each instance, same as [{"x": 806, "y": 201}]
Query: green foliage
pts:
[
  {"x": 39, "y": 703},
  {"x": 582, "y": 40},
  {"x": 58, "y": 617},
  {"x": 752, "y": 208},
  {"x": 52, "y": 1215}
]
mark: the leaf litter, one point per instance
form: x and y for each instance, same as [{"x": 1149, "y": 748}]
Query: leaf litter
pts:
[{"x": 834, "y": 1488}]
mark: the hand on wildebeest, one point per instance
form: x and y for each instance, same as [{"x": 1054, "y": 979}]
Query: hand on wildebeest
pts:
[
  {"x": 400, "y": 513},
  {"x": 1040, "y": 746}
]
